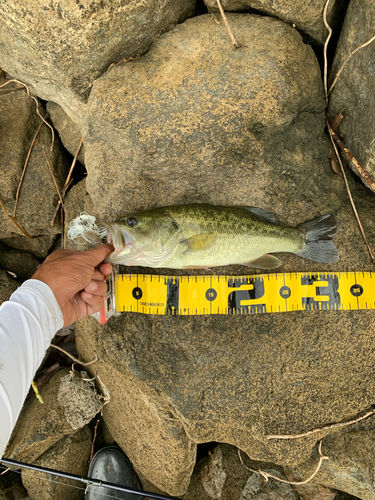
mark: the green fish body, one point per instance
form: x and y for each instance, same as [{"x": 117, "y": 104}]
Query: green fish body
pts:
[{"x": 203, "y": 236}]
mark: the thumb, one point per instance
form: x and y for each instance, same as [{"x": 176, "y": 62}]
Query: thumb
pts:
[{"x": 96, "y": 255}]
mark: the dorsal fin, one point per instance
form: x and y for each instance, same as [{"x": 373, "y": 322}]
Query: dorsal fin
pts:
[{"x": 261, "y": 213}]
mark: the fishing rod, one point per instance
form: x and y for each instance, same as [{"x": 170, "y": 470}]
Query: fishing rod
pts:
[{"x": 86, "y": 480}]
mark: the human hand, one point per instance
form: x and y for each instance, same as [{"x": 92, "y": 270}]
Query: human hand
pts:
[{"x": 76, "y": 277}]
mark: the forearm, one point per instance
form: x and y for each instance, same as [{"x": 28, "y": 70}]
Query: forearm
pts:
[{"x": 28, "y": 321}]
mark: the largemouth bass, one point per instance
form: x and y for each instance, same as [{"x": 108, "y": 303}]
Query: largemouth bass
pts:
[{"x": 203, "y": 236}]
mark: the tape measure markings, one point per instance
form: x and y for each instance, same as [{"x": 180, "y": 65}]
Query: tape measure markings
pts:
[{"x": 181, "y": 295}]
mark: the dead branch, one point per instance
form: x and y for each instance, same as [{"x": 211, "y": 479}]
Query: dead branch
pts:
[
  {"x": 53, "y": 177},
  {"x": 267, "y": 476},
  {"x": 235, "y": 44},
  {"x": 350, "y": 196},
  {"x": 93, "y": 441},
  {"x": 325, "y": 49},
  {"x": 331, "y": 135},
  {"x": 14, "y": 220},
  {"x": 353, "y": 162},
  {"x": 24, "y": 167},
  {"x": 76, "y": 360},
  {"x": 37, "y": 106},
  {"x": 63, "y": 193},
  {"x": 347, "y": 59}
]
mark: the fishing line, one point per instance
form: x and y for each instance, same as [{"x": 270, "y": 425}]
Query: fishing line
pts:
[
  {"x": 86, "y": 480},
  {"x": 29, "y": 473},
  {"x": 55, "y": 481}
]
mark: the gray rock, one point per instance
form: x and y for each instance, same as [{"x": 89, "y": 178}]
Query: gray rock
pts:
[
  {"x": 71, "y": 454},
  {"x": 306, "y": 17},
  {"x": 353, "y": 91},
  {"x": 39, "y": 247},
  {"x": 69, "y": 131},
  {"x": 195, "y": 121},
  {"x": 350, "y": 465},
  {"x": 79, "y": 398},
  {"x": 178, "y": 381},
  {"x": 38, "y": 197},
  {"x": 22, "y": 264},
  {"x": 140, "y": 422},
  {"x": 8, "y": 285},
  {"x": 239, "y": 484},
  {"x": 60, "y": 49},
  {"x": 40, "y": 426}
]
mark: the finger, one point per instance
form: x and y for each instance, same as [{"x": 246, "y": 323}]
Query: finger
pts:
[
  {"x": 98, "y": 275},
  {"x": 95, "y": 302},
  {"x": 96, "y": 255},
  {"x": 96, "y": 287},
  {"x": 105, "y": 268}
]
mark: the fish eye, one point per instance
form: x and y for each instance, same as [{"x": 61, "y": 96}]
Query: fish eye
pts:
[{"x": 131, "y": 221}]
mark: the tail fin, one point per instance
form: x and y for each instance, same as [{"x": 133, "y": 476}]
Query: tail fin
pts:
[{"x": 319, "y": 246}]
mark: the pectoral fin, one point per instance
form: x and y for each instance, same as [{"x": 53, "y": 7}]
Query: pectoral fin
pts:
[
  {"x": 197, "y": 243},
  {"x": 266, "y": 261}
]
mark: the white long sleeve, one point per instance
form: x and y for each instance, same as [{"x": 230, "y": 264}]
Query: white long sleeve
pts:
[{"x": 28, "y": 322}]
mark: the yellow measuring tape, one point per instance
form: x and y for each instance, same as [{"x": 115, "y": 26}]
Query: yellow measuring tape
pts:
[{"x": 261, "y": 293}]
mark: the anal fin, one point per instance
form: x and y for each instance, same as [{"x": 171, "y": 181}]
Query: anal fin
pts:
[{"x": 266, "y": 261}]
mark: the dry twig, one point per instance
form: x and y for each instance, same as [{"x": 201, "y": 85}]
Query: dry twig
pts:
[
  {"x": 267, "y": 476},
  {"x": 353, "y": 162},
  {"x": 67, "y": 181},
  {"x": 331, "y": 135},
  {"x": 325, "y": 77},
  {"x": 347, "y": 59},
  {"x": 235, "y": 44},
  {"x": 63, "y": 193},
  {"x": 350, "y": 196},
  {"x": 326, "y": 427},
  {"x": 53, "y": 177},
  {"x": 93, "y": 441},
  {"x": 76, "y": 360},
  {"x": 37, "y": 106},
  {"x": 73, "y": 163},
  {"x": 24, "y": 167},
  {"x": 14, "y": 220}
]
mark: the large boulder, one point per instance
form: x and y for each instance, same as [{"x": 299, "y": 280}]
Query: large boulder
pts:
[
  {"x": 71, "y": 454},
  {"x": 69, "y": 131},
  {"x": 307, "y": 17},
  {"x": 59, "y": 49},
  {"x": 38, "y": 197},
  {"x": 195, "y": 121},
  {"x": 178, "y": 381},
  {"x": 69, "y": 404},
  {"x": 354, "y": 90}
]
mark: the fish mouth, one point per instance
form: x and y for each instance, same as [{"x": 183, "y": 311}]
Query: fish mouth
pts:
[{"x": 121, "y": 241}]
